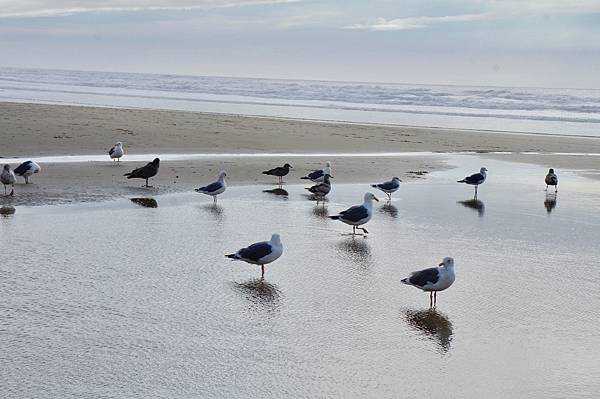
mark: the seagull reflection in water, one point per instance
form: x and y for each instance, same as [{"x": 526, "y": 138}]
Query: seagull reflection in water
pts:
[
  {"x": 550, "y": 202},
  {"x": 390, "y": 209},
  {"x": 320, "y": 212},
  {"x": 145, "y": 202},
  {"x": 216, "y": 210},
  {"x": 260, "y": 292},
  {"x": 475, "y": 204},
  {"x": 280, "y": 192},
  {"x": 356, "y": 248},
  {"x": 433, "y": 325}
]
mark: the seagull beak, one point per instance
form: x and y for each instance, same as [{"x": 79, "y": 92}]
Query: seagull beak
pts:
[
  {"x": 331, "y": 177},
  {"x": 441, "y": 264},
  {"x": 376, "y": 199}
]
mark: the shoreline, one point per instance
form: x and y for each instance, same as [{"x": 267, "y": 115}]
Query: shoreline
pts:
[{"x": 243, "y": 146}]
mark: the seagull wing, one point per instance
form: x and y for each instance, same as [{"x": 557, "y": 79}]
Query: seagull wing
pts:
[{"x": 255, "y": 251}]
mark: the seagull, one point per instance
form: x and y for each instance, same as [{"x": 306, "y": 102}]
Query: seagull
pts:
[
  {"x": 476, "y": 179},
  {"x": 318, "y": 175},
  {"x": 145, "y": 172},
  {"x": 279, "y": 171},
  {"x": 116, "y": 152},
  {"x": 433, "y": 279},
  {"x": 260, "y": 253},
  {"x": 358, "y": 215},
  {"x": 27, "y": 169},
  {"x": 8, "y": 178},
  {"x": 215, "y": 188},
  {"x": 552, "y": 180},
  {"x": 389, "y": 187},
  {"x": 320, "y": 190}
]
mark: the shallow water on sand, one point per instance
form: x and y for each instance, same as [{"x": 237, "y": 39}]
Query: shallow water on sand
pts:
[{"x": 135, "y": 299}]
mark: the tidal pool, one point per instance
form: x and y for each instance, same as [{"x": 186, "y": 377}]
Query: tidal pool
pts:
[{"x": 116, "y": 300}]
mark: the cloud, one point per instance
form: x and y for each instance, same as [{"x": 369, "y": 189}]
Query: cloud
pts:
[
  {"x": 382, "y": 24},
  {"x": 490, "y": 10},
  {"x": 41, "y": 8}
]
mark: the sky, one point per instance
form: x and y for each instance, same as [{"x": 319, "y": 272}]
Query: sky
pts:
[{"x": 543, "y": 43}]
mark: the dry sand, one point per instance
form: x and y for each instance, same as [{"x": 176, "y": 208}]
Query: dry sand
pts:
[{"x": 33, "y": 130}]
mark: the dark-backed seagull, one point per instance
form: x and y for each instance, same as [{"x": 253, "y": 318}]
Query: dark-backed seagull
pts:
[
  {"x": 8, "y": 178},
  {"x": 433, "y": 279},
  {"x": 215, "y": 188},
  {"x": 552, "y": 180},
  {"x": 358, "y": 215},
  {"x": 318, "y": 175},
  {"x": 389, "y": 187},
  {"x": 279, "y": 171},
  {"x": 27, "y": 169},
  {"x": 261, "y": 253},
  {"x": 320, "y": 190},
  {"x": 145, "y": 172},
  {"x": 116, "y": 152},
  {"x": 476, "y": 179}
]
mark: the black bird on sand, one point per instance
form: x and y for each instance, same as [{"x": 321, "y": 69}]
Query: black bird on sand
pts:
[
  {"x": 145, "y": 172},
  {"x": 552, "y": 180},
  {"x": 279, "y": 171}
]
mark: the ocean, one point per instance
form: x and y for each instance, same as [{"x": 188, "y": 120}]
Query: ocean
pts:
[{"x": 557, "y": 111}]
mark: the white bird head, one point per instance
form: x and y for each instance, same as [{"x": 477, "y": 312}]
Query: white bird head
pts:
[
  {"x": 328, "y": 164},
  {"x": 396, "y": 179},
  {"x": 118, "y": 144},
  {"x": 447, "y": 262},
  {"x": 370, "y": 197},
  {"x": 222, "y": 174},
  {"x": 483, "y": 170},
  {"x": 276, "y": 239}
]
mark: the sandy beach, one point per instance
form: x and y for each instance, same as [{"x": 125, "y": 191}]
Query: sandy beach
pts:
[{"x": 35, "y": 130}]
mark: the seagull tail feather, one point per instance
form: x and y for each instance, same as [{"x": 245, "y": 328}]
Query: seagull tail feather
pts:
[
  {"x": 405, "y": 281},
  {"x": 231, "y": 256},
  {"x": 461, "y": 181},
  {"x": 305, "y": 178},
  {"x": 374, "y": 185},
  {"x": 128, "y": 175},
  {"x": 336, "y": 217}
]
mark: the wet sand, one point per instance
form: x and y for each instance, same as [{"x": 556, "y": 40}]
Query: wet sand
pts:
[{"x": 35, "y": 130}]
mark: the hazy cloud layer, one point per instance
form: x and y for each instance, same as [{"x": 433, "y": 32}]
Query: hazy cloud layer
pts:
[{"x": 40, "y": 8}]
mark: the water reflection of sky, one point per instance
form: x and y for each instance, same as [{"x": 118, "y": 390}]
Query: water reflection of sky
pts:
[{"x": 149, "y": 292}]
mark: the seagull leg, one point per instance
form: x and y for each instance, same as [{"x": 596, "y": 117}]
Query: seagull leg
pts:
[
  {"x": 556, "y": 189},
  {"x": 431, "y": 299},
  {"x": 262, "y": 269},
  {"x": 546, "y": 188},
  {"x": 353, "y": 230},
  {"x": 363, "y": 229},
  {"x": 5, "y": 190},
  {"x": 26, "y": 179},
  {"x": 434, "y": 298}
]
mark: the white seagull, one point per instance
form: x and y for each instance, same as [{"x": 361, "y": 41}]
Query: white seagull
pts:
[
  {"x": 433, "y": 279},
  {"x": 389, "y": 187},
  {"x": 261, "y": 253},
  {"x": 214, "y": 189},
  {"x": 318, "y": 175},
  {"x": 8, "y": 178},
  {"x": 358, "y": 215},
  {"x": 27, "y": 169},
  {"x": 476, "y": 179},
  {"x": 116, "y": 152}
]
